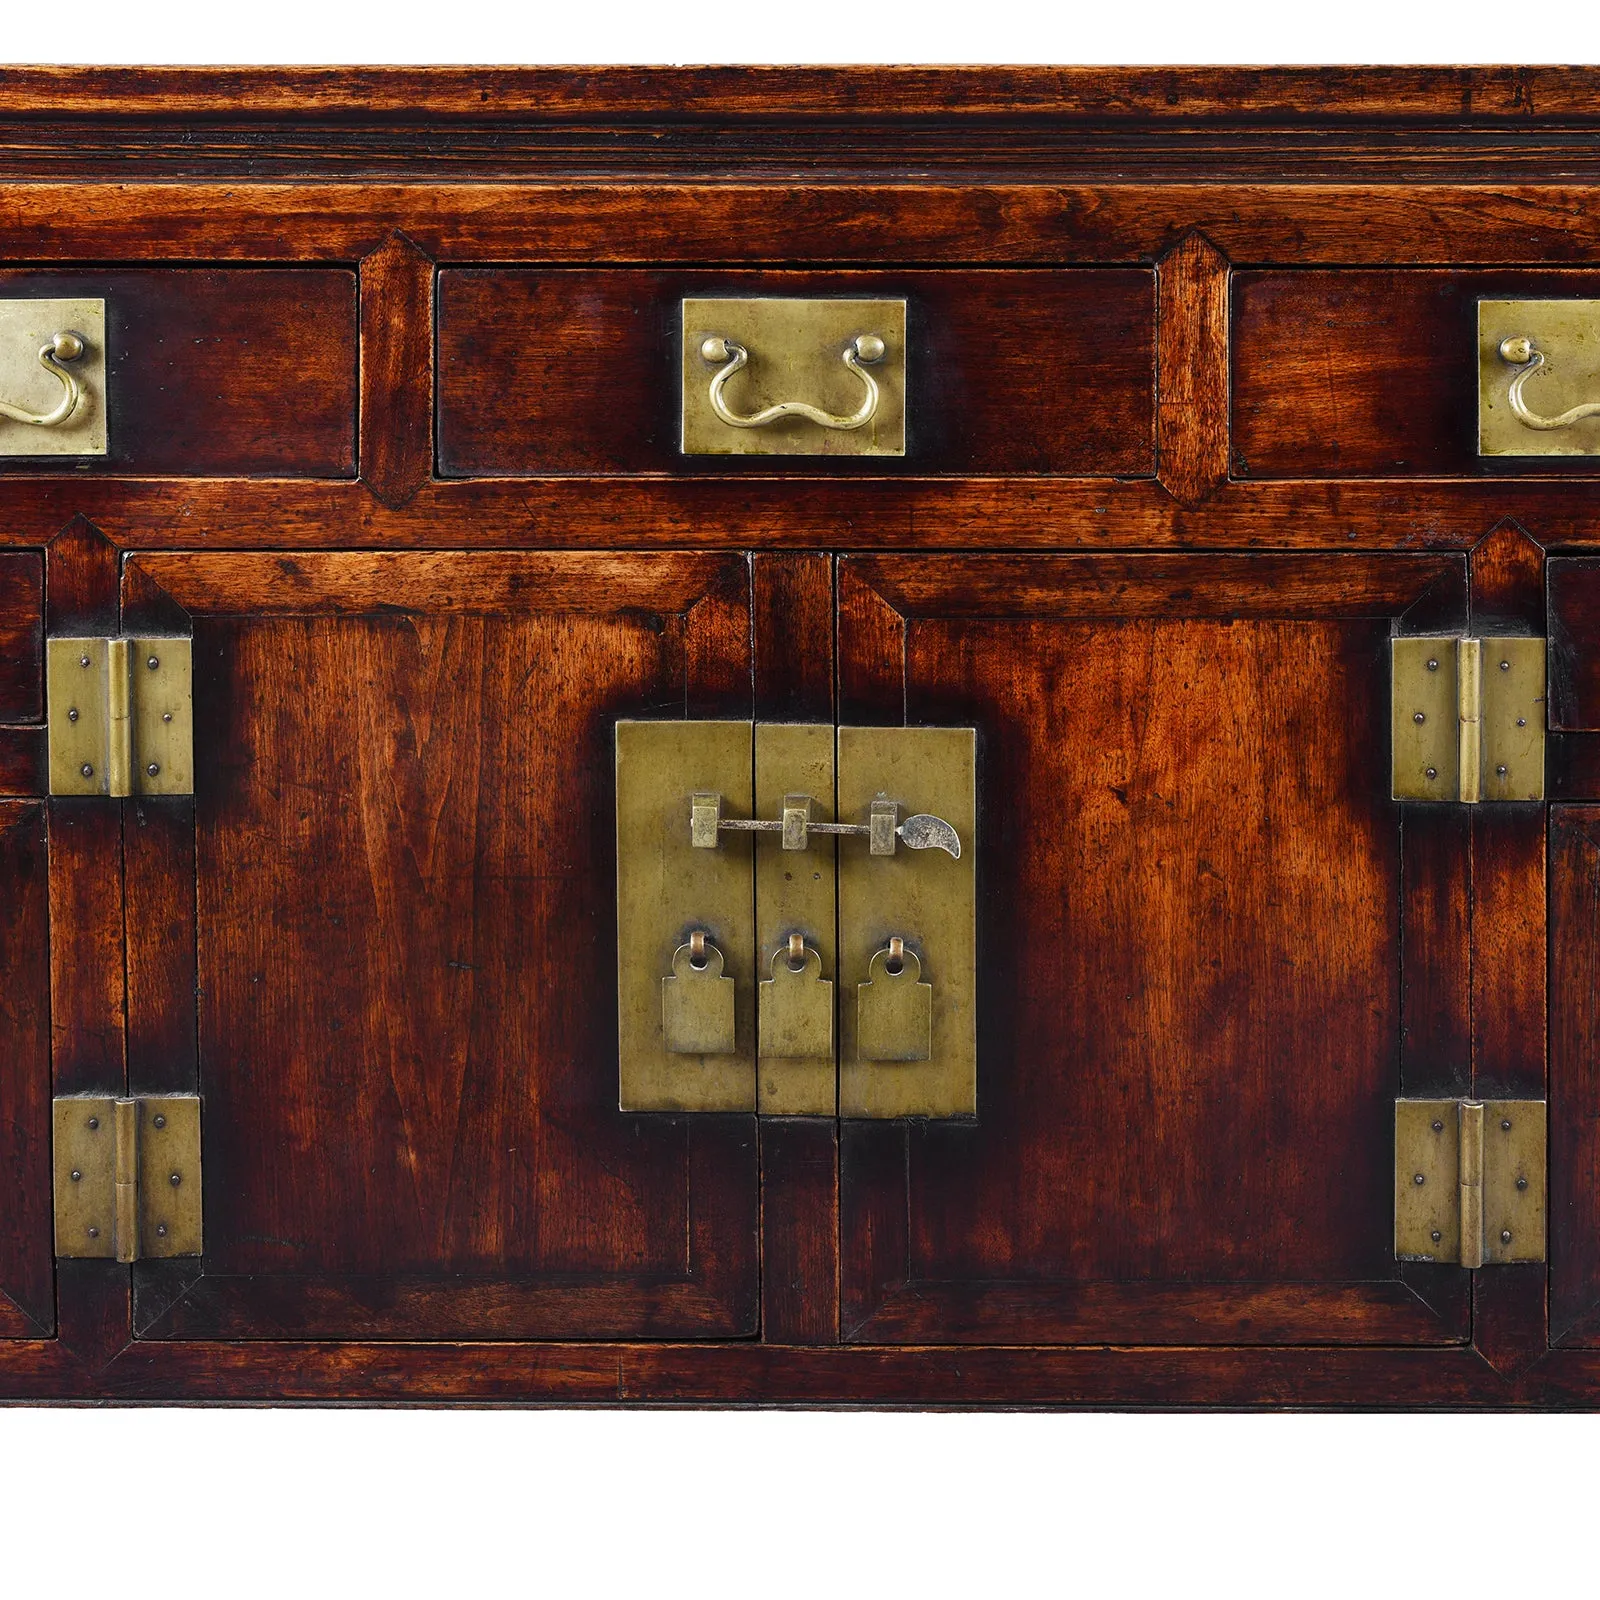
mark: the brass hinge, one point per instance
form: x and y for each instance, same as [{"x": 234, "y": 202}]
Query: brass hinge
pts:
[
  {"x": 1469, "y": 1181},
  {"x": 121, "y": 716},
  {"x": 127, "y": 1176},
  {"x": 1469, "y": 719}
]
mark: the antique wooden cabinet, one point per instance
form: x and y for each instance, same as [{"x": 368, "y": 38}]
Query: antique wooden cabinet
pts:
[{"x": 800, "y": 736}]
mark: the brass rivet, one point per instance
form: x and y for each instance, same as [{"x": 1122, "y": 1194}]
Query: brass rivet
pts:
[
  {"x": 1419, "y": 717},
  {"x": 1438, "y": 1127},
  {"x": 94, "y": 1122},
  {"x": 94, "y": 1233},
  {"x": 166, "y": 716},
  {"x": 72, "y": 715},
  {"x": 1505, "y": 666},
  {"x": 77, "y": 1177},
  {"x": 1436, "y": 1236},
  {"x": 86, "y": 770},
  {"x": 1522, "y": 722},
  {"x": 83, "y": 661},
  {"x": 1433, "y": 666},
  {"x": 161, "y": 1229},
  {"x": 1522, "y": 1183},
  {"x": 1500, "y": 771},
  {"x": 1506, "y": 1124},
  {"x": 175, "y": 1180},
  {"x": 1505, "y": 1236},
  {"x": 1419, "y": 1180},
  {"x": 154, "y": 768},
  {"x": 160, "y": 1122},
  {"x": 1433, "y": 772},
  {"x": 153, "y": 663}
]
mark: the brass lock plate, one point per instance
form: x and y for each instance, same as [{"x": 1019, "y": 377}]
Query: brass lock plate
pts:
[
  {"x": 28, "y": 327},
  {"x": 1564, "y": 336},
  {"x": 815, "y": 377},
  {"x": 666, "y": 891},
  {"x": 924, "y": 897}
]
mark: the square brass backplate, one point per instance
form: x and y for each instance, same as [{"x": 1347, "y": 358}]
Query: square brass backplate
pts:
[
  {"x": 29, "y": 327},
  {"x": 1545, "y": 356},
  {"x": 794, "y": 377}
]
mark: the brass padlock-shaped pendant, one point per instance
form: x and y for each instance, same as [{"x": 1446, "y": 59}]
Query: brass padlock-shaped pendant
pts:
[
  {"x": 795, "y": 1006},
  {"x": 697, "y": 1002},
  {"x": 894, "y": 1010}
]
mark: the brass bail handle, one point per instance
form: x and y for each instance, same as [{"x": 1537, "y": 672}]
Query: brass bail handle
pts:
[
  {"x": 921, "y": 832},
  {"x": 62, "y": 347},
  {"x": 1520, "y": 351},
  {"x": 729, "y": 357}
]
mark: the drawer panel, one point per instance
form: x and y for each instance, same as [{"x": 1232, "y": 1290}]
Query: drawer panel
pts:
[
  {"x": 580, "y": 371},
  {"x": 21, "y": 635},
  {"x": 1373, "y": 374},
  {"x": 217, "y": 372}
]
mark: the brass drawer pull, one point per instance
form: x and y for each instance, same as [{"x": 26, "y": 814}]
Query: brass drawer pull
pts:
[
  {"x": 1520, "y": 351},
  {"x": 864, "y": 347},
  {"x": 62, "y": 347}
]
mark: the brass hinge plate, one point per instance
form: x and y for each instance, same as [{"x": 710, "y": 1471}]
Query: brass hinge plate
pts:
[
  {"x": 1468, "y": 718},
  {"x": 127, "y": 1177},
  {"x": 121, "y": 715},
  {"x": 1469, "y": 1181}
]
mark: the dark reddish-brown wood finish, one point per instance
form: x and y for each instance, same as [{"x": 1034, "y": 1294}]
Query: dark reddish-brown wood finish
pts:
[
  {"x": 578, "y": 372},
  {"x": 1192, "y": 432}
]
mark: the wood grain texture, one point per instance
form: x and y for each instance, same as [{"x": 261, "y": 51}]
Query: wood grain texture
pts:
[
  {"x": 412, "y": 879},
  {"x": 216, "y": 372},
  {"x": 1573, "y": 594},
  {"x": 21, "y": 636},
  {"x": 1350, "y": 374},
  {"x": 27, "y": 1278},
  {"x": 799, "y": 1231},
  {"x": 396, "y": 287},
  {"x": 1192, "y": 369},
  {"x": 579, "y": 371},
  {"x": 1192, "y": 957}
]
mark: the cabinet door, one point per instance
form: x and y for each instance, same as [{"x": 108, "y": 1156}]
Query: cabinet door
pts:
[
  {"x": 380, "y": 940},
  {"x": 1192, "y": 888}
]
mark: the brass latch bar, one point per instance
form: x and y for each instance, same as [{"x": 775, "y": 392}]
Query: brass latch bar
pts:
[
  {"x": 121, "y": 716},
  {"x": 127, "y": 1176},
  {"x": 1468, "y": 718},
  {"x": 882, "y": 831},
  {"x": 1469, "y": 1181}
]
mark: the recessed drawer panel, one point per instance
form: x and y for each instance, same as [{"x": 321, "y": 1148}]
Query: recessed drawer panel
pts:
[
  {"x": 213, "y": 372},
  {"x": 21, "y": 635},
  {"x": 1364, "y": 374},
  {"x": 583, "y": 371}
]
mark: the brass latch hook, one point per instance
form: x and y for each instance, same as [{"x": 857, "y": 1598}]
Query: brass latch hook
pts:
[
  {"x": 62, "y": 347},
  {"x": 1521, "y": 351},
  {"x": 864, "y": 347}
]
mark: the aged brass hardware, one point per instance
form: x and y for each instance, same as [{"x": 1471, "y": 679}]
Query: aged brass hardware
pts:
[
  {"x": 697, "y": 1001},
  {"x": 894, "y": 1009},
  {"x": 1468, "y": 718},
  {"x": 52, "y": 371},
  {"x": 1469, "y": 1181},
  {"x": 121, "y": 716},
  {"x": 666, "y": 892},
  {"x": 789, "y": 377},
  {"x": 795, "y": 1007},
  {"x": 925, "y": 899},
  {"x": 1538, "y": 377},
  {"x": 882, "y": 830},
  {"x": 796, "y": 896},
  {"x": 127, "y": 1176}
]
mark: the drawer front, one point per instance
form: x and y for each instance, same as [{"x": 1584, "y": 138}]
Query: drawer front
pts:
[
  {"x": 1374, "y": 374},
  {"x": 581, "y": 371},
  {"x": 216, "y": 372}
]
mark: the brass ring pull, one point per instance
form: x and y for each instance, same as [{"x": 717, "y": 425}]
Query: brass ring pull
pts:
[
  {"x": 864, "y": 347},
  {"x": 1520, "y": 351},
  {"x": 62, "y": 347}
]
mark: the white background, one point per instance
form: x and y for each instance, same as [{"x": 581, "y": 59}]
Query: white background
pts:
[{"x": 840, "y": 1506}]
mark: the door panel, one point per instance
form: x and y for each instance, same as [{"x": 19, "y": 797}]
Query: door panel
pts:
[
  {"x": 1191, "y": 891},
  {"x": 405, "y": 928}
]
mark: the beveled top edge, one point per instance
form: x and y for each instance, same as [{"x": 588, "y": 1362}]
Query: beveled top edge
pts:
[{"x": 1266, "y": 97}]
